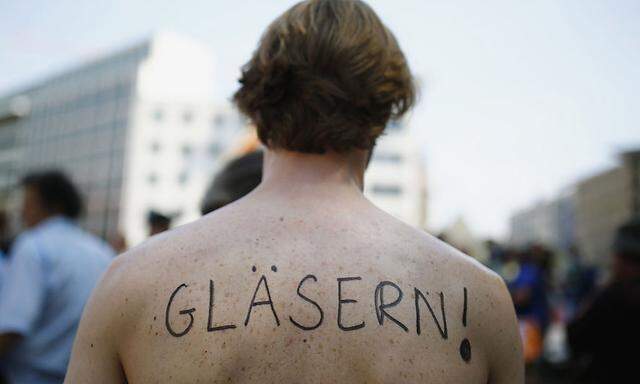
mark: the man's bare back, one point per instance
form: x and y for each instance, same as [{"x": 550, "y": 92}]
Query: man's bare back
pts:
[
  {"x": 294, "y": 285},
  {"x": 304, "y": 280}
]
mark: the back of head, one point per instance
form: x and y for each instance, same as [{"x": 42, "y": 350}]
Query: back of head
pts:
[
  {"x": 56, "y": 192},
  {"x": 325, "y": 79},
  {"x": 327, "y": 76},
  {"x": 235, "y": 180},
  {"x": 627, "y": 241},
  {"x": 157, "y": 219}
]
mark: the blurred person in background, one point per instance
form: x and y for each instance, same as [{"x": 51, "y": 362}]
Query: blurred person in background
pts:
[
  {"x": 604, "y": 338},
  {"x": 158, "y": 222},
  {"x": 3, "y": 260},
  {"x": 239, "y": 177},
  {"x": 118, "y": 243},
  {"x": 528, "y": 289},
  {"x": 52, "y": 269},
  {"x": 579, "y": 283},
  {"x": 321, "y": 87},
  {"x": 5, "y": 234},
  {"x": 497, "y": 254},
  {"x": 4, "y": 244}
]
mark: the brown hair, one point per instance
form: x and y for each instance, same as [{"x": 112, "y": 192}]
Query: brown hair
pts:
[{"x": 327, "y": 76}]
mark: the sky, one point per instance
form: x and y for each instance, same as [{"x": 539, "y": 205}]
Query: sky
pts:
[{"x": 519, "y": 99}]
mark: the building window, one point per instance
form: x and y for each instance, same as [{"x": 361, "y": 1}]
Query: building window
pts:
[
  {"x": 186, "y": 150},
  {"x": 183, "y": 177},
  {"x": 394, "y": 125},
  {"x": 218, "y": 121},
  {"x": 388, "y": 190},
  {"x": 158, "y": 115},
  {"x": 394, "y": 158},
  {"x": 187, "y": 117},
  {"x": 215, "y": 149}
]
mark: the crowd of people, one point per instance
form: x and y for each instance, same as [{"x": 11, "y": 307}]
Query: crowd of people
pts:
[
  {"x": 578, "y": 322},
  {"x": 48, "y": 271},
  {"x": 45, "y": 281},
  {"x": 571, "y": 327},
  {"x": 325, "y": 80}
]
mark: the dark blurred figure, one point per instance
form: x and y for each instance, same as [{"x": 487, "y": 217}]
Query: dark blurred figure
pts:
[
  {"x": 158, "y": 222},
  {"x": 580, "y": 283},
  {"x": 5, "y": 237},
  {"x": 3, "y": 258},
  {"x": 529, "y": 292},
  {"x": 4, "y": 242},
  {"x": 529, "y": 288},
  {"x": 606, "y": 336},
  {"x": 542, "y": 256},
  {"x": 235, "y": 180},
  {"x": 4, "y": 250},
  {"x": 52, "y": 269},
  {"x": 496, "y": 254}
]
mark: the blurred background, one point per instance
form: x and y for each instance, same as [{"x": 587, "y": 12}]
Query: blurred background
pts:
[{"x": 523, "y": 150}]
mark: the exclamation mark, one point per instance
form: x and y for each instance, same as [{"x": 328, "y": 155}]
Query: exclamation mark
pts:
[{"x": 465, "y": 345}]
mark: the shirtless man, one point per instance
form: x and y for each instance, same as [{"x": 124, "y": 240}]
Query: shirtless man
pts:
[{"x": 304, "y": 280}]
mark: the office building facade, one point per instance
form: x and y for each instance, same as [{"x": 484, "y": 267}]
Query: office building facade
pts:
[
  {"x": 588, "y": 216},
  {"x": 603, "y": 203},
  {"x": 551, "y": 223},
  {"x": 395, "y": 179},
  {"x": 136, "y": 130}
]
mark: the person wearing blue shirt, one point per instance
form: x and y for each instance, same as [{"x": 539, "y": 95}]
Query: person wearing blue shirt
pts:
[
  {"x": 2, "y": 268},
  {"x": 51, "y": 271}
]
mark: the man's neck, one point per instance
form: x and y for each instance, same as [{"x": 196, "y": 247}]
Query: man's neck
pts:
[
  {"x": 46, "y": 218},
  {"x": 290, "y": 174}
]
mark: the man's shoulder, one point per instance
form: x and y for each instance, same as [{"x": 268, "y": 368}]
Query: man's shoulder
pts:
[
  {"x": 134, "y": 278},
  {"x": 26, "y": 246},
  {"x": 157, "y": 255},
  {"x": 429, "y": 250},
  {"x": 58, "y": 234}
]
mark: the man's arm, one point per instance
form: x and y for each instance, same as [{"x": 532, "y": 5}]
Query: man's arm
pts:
[
  {"x": 94, "y": 358},
  {"x": 506, "y": 362}
]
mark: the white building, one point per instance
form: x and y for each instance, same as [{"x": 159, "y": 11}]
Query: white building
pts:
[
  {"x": 395, "y": 179},
  {"x": 136, "y": 130},
  {"x": 604, "y": 202},
  {"x": 550, "y": 223}
]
